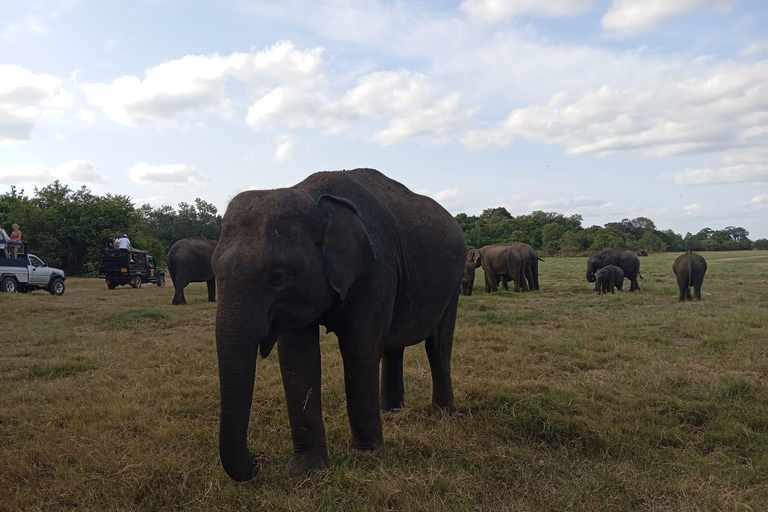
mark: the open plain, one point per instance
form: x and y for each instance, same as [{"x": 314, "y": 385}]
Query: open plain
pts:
[{"x": 568, "y": 400}]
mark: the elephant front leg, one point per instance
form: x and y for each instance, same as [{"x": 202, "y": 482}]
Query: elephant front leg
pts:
[
  {"x": 211, "y": 290},
  {"x": 299, "y": 353},
  {"x": 392, "y": 388},
  {"x": 361, "y": 381}
]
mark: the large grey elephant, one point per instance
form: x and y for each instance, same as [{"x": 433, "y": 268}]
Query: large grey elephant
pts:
[
  {"x": 500, "y": 262},
  {"x": 689, "y": 269},
  {"x": 189, "y": 261},
  {"x": 353, "y": 251},
  {"x": 531, "y": 260},
  {"x": 625, "y": 259}
]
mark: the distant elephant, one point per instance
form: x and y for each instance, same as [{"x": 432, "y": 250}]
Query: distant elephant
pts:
[
  {"x": 625, "y": 259},
  {"x": 531, "y": 260},
  {"x": 353, "y": 251},
  {"x": 189, "y": 261},
  {"x": 607, "y": 278},
  {"x": 500, "y": 262},
  {"x": 689, "y": 268}
]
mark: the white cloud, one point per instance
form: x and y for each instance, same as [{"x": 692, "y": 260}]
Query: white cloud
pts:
[
  {"x": 153, "y": 201},
  {"x": 762, "y": 199},
  {"x": 283, "y": 150},
  {"x": 30, "y": 25},
  {"x": 631, "y": 17},
  {"x": 24, "y": 98},
  {"x": 31, "y": 175},
  {"x": 497, "y": 10},
  {"x": 705, "y": 109},
  {"x": 756, "y": 48},
  {"x": 169, "y": 174},
  {"x": 86, "y": 115},
  {"x": 408, "y": 102},
  {"x": 743, "y": 164},
  {"x": 569, "y": 203},
  {"x": 196, "y": 82},
  {"x": 446, "y": 195},
  {"x": 79, "y": 171},
  {"x": 692, "y": 208}
]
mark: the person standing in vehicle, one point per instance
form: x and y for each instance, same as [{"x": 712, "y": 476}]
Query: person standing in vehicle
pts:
[
  {"x": 15, "y": 237},
  {"x": 124, "y": 243}
]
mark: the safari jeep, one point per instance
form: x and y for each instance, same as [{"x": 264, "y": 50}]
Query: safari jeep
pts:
[
  {"x": 133, "y": 267},
  {"x": 26, "y": 272}
]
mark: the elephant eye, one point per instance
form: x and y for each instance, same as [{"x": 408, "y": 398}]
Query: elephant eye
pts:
[{"x": 280, "y": 277}]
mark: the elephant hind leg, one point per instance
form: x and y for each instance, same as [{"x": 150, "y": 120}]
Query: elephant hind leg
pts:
[
  {"x": 392, "y": 387},
  {"x": 211, "y": 289},
  {"x": 178, "y": 296},
  {"x": 439, "y": 346}
]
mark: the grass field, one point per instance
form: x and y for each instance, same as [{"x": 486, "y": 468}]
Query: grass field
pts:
[{"x": 567, "y": 401}]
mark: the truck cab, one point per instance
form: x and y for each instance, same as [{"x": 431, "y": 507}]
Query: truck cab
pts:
[{"x": 26, "y": 272}]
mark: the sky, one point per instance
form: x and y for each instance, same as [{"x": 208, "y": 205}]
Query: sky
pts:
[{"x": 609, "y": 109}]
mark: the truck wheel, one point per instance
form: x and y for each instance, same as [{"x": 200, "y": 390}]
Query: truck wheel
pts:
[
  {"x": 161, "y": 281},
  {"x": 9, "y": 285},
  {"x": 111, "y": 284},
  {"x": 56, "y": 287},
  {"x": 137, "y": 282}
]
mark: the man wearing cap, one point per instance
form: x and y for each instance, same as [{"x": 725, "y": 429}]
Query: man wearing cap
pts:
[{"x": 123, "y": 242}]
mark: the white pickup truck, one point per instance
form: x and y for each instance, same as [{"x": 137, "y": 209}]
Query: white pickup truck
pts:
[{"x": 27, "y": 272}]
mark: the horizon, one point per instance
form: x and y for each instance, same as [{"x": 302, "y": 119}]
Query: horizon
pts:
[{"x": 590, "y": 107}]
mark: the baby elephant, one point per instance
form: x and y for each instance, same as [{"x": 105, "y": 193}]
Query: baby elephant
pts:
[
  {"x": 689, "y": 268},
  {"x": 608, "y": 277}
]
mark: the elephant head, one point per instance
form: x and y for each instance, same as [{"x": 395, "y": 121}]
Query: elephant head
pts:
[
  {"x": 595, "y": 262},
  {"x": 474, "y": 259},
  {"x": 283, "y": 258}
]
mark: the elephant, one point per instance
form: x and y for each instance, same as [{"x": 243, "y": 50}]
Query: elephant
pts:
[
  {"x": 689, "y": 268},
  {"x": 353, "y": 251},
  {"x": 607, "y": 278},
  {"x": 189, "y": 261},
  {"x": 625, "y": 259},
  {"x": 531, "y": 260},
  {"x": 500, "y": 262}
]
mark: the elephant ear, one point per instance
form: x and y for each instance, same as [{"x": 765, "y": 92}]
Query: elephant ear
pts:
[
  {"x": 474, "y": 256},
  {"x": 347, "y": 250}
]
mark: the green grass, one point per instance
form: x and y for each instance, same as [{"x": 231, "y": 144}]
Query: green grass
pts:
[{"x": 566, "y": 401}]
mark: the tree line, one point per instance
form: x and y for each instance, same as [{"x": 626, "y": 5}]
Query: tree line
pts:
[
  {"x": 555, "y": 233},
  {"x": 69, "y": 227}
]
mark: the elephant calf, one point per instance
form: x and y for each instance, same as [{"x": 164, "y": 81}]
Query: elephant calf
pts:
[
  {"x": 689, "y": 268},
  {"x": 189, "y": 261},
  {"x": 607, "y": 278}
]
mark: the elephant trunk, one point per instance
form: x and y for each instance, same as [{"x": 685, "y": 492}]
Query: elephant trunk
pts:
[
  {"x": 590, "y": 275},
  {"x": 236, "y": 349}
]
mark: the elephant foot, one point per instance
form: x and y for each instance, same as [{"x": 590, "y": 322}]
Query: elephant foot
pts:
[
  {"x": 303, "y": 465},
  {"x": 392, "y": 405},
  {"x": 367, "y": 445},
  {"x": 175, "y": 303},
  {"x": 448, "y": 409}
]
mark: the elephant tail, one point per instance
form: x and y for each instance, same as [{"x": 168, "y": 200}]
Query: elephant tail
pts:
[
  {"x": 690, "y": 274},
  {"x": 640, "y": 275},
  {"x": 539, "y": 258}
]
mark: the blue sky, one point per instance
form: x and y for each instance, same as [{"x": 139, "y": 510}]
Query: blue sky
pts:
[{"x": 605, "y": 108}]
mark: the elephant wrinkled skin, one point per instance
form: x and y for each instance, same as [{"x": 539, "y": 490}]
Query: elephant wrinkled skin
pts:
[
  {"x": 189, "y": 261},
  {"x": 689, "y": 269},
  {"x": 500, "y": 262},
  {"x": 608, "y": 278},
  {"x": 625, "y": 259},
  {"x": 353, "y": 251}
]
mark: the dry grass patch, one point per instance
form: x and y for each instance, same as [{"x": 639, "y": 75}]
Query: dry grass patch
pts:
[{"x": 567, "y": 401}]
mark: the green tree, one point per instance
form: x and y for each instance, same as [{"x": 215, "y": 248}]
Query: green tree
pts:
[
  {"x": 761, "y": 244},
  {"x": 550, "y": 237},
  {"x": 652, "y": 242}
]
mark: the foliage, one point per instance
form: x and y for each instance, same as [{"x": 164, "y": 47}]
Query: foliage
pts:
[
  {"x": 69, "y": 227},
  {"x": 760, "y": 244},
  {"x": 555, "y": 233}
]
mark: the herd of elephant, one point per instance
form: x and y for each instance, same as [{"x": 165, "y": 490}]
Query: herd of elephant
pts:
[{"x": 368, "y": 259}]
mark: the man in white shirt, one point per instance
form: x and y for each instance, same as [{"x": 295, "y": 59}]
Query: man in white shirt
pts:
[
  {"x": 123, "y": 242},
  {"x": 4, "y": 239}
]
